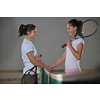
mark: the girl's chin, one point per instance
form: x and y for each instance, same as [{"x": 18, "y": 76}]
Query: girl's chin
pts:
[
  {"x": 34, "y": 37},
  {"x": 70, "y": 34}
]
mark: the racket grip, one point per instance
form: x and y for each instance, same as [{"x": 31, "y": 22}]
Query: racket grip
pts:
[
  {"x": 64, "y": 45},
  {"x": 40, "y": 56}
]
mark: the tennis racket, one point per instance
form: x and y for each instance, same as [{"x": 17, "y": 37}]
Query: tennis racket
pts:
[{"x": 90, "y": 28}]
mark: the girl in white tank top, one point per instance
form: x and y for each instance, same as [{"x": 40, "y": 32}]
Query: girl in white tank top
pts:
[{"x": 74, "y": 49}]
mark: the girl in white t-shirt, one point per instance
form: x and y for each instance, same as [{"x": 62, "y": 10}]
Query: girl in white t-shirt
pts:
[
  {"x": 29, "y": 54},
  {"x": 74, "y": 49}
]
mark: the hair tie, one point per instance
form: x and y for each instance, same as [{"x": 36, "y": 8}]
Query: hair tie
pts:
[{"x": 78, "y": 20}]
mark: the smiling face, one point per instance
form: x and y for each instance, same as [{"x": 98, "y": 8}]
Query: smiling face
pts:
[
  {"x": 71, "y": 30},
  {"x": 32, "y": 34}
]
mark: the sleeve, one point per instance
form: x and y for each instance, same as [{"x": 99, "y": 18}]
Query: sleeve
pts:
[
  {"x": 28, "y": 48},
  {"x": 80, "y": 41}
]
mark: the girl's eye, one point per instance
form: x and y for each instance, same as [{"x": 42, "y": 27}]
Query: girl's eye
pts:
[{"x": 34, "y": 31}]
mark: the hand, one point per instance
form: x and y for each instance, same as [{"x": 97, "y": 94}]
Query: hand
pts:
[
  {"x": 68, "y": 42},
  {"x": 39, "y": 59},
  {"x": 49, "y": 68}
]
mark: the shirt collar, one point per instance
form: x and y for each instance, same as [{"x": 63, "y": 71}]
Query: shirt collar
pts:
[{"x": 27, "y": 40}]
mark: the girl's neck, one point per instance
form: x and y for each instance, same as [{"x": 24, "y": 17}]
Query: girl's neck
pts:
[
  {"x": 76, "y": 36},
  {"x": 28, "y": 38}
]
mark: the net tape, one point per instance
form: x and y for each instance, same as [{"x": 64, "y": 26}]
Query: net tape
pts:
[{"x": 83, "y": 76}]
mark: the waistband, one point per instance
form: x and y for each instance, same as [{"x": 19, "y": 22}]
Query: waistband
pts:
[{"x": 72, "y": 71}]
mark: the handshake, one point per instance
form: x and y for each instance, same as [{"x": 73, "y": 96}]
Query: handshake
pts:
[{"x": 50, "y": 68}]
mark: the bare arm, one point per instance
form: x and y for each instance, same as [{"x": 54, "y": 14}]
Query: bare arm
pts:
[
  {"x": 35, "y": 62},
  {"x": 60, "y": 60},
  {"x": 77, "y": 53}
]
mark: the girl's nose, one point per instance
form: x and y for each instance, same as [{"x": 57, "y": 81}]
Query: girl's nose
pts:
[{"x": 67, "y": 30}]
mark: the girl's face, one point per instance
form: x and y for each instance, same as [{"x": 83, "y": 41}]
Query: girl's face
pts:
[
  {"x": 33, "y": 33},
  {"x": 71, "y": 30}
]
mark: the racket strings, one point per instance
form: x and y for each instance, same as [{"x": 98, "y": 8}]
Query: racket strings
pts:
[{"x": 89, "y": 27}]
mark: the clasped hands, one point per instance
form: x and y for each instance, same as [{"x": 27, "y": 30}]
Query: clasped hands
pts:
[{"x": 50, "y": 68}]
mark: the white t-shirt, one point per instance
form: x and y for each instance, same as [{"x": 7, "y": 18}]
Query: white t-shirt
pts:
[
  {"x": 71, "y": 62},
  {"x": 27, "y": 46}
]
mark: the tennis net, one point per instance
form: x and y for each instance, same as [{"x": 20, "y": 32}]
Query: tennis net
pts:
[{"x": 92, "y": 76}]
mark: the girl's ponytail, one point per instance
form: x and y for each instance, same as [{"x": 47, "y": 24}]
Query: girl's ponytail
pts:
[
  {"x": 22, "y": 30},
  {"x": 81, "y": 29}
]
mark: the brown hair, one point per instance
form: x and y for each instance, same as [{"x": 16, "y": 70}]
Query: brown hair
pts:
[
  {"x": 22, "y": 30},
  {"x": 77, "y": 23}
]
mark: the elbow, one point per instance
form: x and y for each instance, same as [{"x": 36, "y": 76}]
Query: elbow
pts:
[{"x": 79, "y": 57}]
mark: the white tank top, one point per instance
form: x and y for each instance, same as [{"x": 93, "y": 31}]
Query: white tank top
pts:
[{"x": 71, "y": 62}]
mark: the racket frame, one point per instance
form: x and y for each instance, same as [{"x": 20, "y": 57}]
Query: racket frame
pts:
[{"x": 87, "y": 35}]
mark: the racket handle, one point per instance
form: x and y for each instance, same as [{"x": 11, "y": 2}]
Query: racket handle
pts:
[
  {"x": 64, "y": 45},
  {"x": 40, "y": 56}
]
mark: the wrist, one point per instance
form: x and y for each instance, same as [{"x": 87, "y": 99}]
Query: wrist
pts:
[
  {"x": 70, "y": 46},
  {"x": 46, "y": 66},
  {"x": 54, "y": 66}
]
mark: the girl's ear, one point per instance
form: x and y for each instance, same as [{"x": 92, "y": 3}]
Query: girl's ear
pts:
[
  {"x": 28, "y": 33},
  {"x": 75, "y": 27}
]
